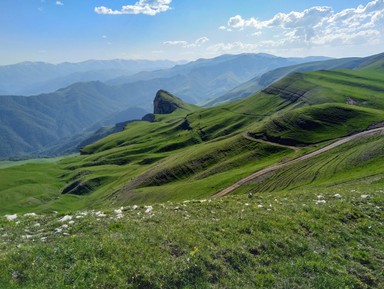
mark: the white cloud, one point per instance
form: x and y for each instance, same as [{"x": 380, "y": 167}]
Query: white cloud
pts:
[
  {"x": 234, "y": 47},
  {"x": 319, "y": 25},
  {"x": 59, "y": 3},
  {"x": 185, "y": 44},
  {"x": 147, "y": 7}
]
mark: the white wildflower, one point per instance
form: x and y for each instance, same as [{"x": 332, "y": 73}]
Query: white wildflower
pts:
[
  {"x": 148, "y": 209},
  {"x": 71, "y": 222},
  {"x": 365, "y": 196},
  {"x": 260, "y": 206},
  {"x": 30, "y": 215},
  {"x": 66, "y": 218},
  {"x": 37, "y": 225},
  {"x": 58, "y": 230},
  {"x": 320, "y": 202},
  {"x": 11, "y": 217},
  {"x": 43, "y": 239},
  {"x": 338, "y": 196},
  {"x": 100, "y": 214},
  {"x": 119, "y": 216},
  {"x": 320, "y": 197},
  {"x": 134, "y": 207},
  {"x": 246, "y": 204},
  {"x": 118, "y": 211},
  {"x": 64, "y": 226}
]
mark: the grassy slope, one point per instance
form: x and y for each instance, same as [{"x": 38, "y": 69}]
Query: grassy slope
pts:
[
  {"x": 194, "y": 153},
  {"x": 315, "y": 224},
  {"x": 297, "y": 239}
]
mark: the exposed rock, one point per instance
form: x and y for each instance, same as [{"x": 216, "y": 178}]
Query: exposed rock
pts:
[
  {"x": 166, "y": 103},
  {"x": 149, "y": 117}
]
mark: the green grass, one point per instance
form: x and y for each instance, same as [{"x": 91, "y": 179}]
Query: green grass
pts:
[
  {"x": 193, "y": 153},
  {"x": 314, "y": 224},
  {"x": 356, "y": 163},
  {"x": 297, "y": 239}
]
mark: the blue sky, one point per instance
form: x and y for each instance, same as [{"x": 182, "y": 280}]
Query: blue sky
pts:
[{"x": 75, "y": 30}]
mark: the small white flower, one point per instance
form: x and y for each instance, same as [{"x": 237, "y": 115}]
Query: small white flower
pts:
[
  {"x": 58, "y": 230},
  {"x": 30, "y": 215},
  {"x": 119, "y": 216},
  {"x": 11, "y": 217},
  {"x": 365, "y": 196},
  {"x": 260, "y": 206},
  {"x": 134, "y": 207},
  {"x": 320, "y": 202},
  {"x": 71, "y": 222},
  {"x": 64, "y": 226},
  {"x": 148, "y": 209},
  {"x": 66, "y": 218},
  {"x": 246, "y": 204},
  {"x": 338, "y": 196},
  {"x": 37, "y": 225},
  {"x": 43, "y": 239},
  {"x": 320, "y": 197},
  {"x": 100, "y": 214}
]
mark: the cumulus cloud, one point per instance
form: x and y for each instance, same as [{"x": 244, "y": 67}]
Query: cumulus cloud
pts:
[
  {"x": 147, "y": 7},
  {"x": 319, "y": 25},
  {"x": 59, "y": 3},
  {"x": 185, "y": 44}
]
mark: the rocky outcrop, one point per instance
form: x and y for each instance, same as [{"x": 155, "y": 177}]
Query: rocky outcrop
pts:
[{"x": 166, "y": 103}]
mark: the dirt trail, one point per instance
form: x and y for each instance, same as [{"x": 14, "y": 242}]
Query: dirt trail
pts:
[{"x": 304, "y": 157}]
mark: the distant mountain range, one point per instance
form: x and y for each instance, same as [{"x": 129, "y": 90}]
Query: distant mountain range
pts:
[
  {"x": 28, "y": 78},
  {"x": 59, "y": 121},
  {"x": 204, "y": 79},
  {"x": 54, "y": 122},
  {"x": 28, "y": 124}
]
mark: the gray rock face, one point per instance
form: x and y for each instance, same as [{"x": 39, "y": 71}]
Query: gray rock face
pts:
[{"x": 165, "y": 103}]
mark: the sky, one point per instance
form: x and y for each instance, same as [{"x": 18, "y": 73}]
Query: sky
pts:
[{"x": 76, "y": 30}]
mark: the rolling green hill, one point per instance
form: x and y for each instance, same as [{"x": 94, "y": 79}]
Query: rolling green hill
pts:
[
  {"x": 55, "y": 123},
  {"x": 262, "y": 81},
  {"x": 195, "y": 152},
  {"x": 137, "y": 210}
]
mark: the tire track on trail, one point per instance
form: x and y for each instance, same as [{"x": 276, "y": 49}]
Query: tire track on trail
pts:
[{"x": 275, "y": 167}]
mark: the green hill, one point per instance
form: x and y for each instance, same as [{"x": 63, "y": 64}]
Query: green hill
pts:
[
  {"x": 262, "y": 81},
  {"x": 136, "y": 209},
  {"x": 195, "y": 152}
]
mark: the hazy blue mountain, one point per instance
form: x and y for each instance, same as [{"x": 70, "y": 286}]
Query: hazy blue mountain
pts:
[
  {"x": 28, "y": 124},
  {"x": 259, "y": 82},
  {"x": 28, "y": 78},
  {"x": 204, "y": 79},
  {"x": 57, "y": 121}
]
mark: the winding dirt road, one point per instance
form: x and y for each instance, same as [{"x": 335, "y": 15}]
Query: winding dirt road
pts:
[{"x": 304, "y": 157}]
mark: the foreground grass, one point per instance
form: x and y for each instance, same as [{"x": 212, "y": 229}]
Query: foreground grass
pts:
[{"x": 298, "y": 239}]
